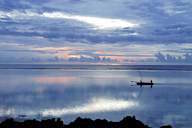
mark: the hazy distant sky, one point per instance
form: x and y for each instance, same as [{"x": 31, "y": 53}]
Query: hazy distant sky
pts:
[{"x": 95, "y": 31}]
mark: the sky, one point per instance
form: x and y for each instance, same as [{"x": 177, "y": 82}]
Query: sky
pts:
[{"x": 96, "y": 32}]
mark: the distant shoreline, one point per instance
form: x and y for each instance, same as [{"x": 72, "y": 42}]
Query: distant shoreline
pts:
[{"x": 96, "y": 67}]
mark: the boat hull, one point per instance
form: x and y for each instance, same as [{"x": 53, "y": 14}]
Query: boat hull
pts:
[{"x": 144, "y": 83}]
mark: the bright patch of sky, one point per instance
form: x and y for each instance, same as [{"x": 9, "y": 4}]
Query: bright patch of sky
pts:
[{"x": 97, "y": 22}]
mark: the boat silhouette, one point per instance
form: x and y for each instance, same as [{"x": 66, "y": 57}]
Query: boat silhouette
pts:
[{"x": 142, "y": 83}]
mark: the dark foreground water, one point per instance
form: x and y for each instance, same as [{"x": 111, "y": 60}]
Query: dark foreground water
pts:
[{"x": 97, "y": 92}]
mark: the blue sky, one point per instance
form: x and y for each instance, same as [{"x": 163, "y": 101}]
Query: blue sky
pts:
[{"x": 99, "y": 31}]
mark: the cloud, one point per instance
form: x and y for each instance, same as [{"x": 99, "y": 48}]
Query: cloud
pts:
[
  {"x": 125, "y": 23},
  {"x": 89, "y": 53},
  {"x": 73, "y": 27},
  {"x": 99, "y": 23},
  {"x": 175, "y": 7},
  {"x": 167, "y": 58},
  {"x": 96, "y": 22},
  {"x": 96, "y": 59},
  {"x": 73, "y": 53},
  {"x": 96, "y": 105},
  {"x": 8, "y": 5}
]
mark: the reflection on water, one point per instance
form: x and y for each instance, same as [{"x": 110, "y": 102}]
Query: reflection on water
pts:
[
  {"x": 95, "y": 105},
  {"x": 66, "y": 80},
  {"x": 97, "y": 94}
]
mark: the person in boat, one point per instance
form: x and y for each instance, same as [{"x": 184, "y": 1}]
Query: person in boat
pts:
[{"x": 141, "y": 83}]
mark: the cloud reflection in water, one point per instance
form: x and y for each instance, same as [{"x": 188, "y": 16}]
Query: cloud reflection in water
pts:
[
  {"x": 55, "y": 79},
  {"x": 95, "y": 105}
]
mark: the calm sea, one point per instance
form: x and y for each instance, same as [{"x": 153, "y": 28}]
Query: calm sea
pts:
[{"x": 69, "y": 91}]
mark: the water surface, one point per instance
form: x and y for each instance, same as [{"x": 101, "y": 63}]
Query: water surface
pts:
[{"x": 97, "y": 93}]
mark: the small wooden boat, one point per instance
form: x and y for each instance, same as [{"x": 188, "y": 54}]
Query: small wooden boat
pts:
[{"x": 141, "y": 83}]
